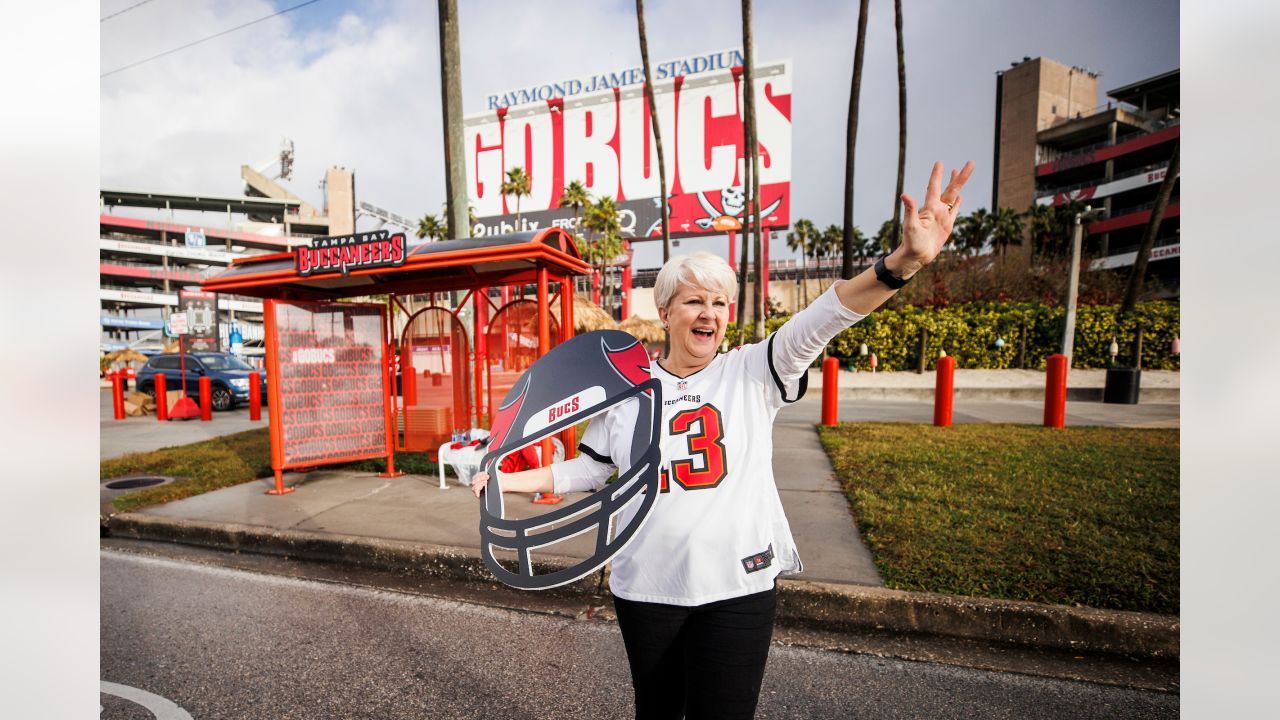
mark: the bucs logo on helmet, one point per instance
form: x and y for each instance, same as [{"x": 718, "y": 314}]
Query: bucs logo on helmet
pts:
[{"x": 578, "y": 379}]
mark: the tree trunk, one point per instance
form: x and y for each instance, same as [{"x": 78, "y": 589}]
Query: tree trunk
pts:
[
  {"x": 657, "y": 133},
  {"x": 1139, "y": 272},
  {"x": 455, "y": 171},
  {"x": 896, "y": 238},
  {"x": 751, "y": 156},
  {"x": 846, "y": 265}
]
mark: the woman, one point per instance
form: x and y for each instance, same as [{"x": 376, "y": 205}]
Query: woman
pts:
[{"x": 695, "y": 590}]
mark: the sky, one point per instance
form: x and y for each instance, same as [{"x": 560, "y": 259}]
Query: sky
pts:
[{"x": 356, "y": 84}]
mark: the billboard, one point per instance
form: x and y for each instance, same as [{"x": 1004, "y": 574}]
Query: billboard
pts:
[
  {"x": 603, "y": 139},
  {"x": 330, "y": 382}
]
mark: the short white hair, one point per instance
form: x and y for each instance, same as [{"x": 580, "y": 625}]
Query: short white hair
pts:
[{"x": 701, "y": 269}]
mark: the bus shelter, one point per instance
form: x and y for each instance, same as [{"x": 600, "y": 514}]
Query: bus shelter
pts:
[{"x": 346, "y": 381}]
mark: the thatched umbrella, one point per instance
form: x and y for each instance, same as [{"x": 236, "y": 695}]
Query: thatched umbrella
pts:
[
  {"x": 588, "y": 317},
  {"x": 126, "y": 355},
  {"x": 646, "y": 331}
]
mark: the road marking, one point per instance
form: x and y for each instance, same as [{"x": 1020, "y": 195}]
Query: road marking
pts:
[{"x": 161, "y": 708}]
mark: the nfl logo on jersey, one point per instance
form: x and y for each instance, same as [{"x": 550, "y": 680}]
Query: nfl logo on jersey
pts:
[{"x": 682, "y": 386}]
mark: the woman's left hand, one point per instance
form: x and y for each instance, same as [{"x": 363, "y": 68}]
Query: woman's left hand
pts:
[{"x": 926, "y": 229}]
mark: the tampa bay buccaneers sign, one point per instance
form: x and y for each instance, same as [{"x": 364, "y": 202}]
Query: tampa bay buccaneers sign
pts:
[{"x": 344, "y": 253}]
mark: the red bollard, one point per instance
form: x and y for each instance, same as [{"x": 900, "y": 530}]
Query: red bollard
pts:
[
  {"x": 944, "y": 391},
  {"x": 117, "y": 396},
  {"x": 830, "y": 378},
  {"x": 1055, "y": 392},
  {"x": 162, "y": 398},
  {"x": 255, "y": 396},
  {"x": 206, "y": 399}
]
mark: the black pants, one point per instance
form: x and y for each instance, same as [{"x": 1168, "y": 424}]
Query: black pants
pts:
[{"x": 705, "y": 661}]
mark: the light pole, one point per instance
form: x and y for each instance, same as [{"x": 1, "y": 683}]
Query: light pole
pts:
[{"x": 1073, "y": 285}]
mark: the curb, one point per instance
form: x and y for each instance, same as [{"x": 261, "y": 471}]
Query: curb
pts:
[{"x": 823, "y": 606}]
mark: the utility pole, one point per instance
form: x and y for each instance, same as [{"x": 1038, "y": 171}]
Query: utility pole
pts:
[
  {"x": 455, "y": 173},
  {"x": 1073, "y": 285}
]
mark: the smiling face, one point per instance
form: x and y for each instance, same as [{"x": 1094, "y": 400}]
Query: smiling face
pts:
[{"x": 696, "y": 318}]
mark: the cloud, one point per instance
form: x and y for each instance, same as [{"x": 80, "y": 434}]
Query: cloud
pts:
[{"x": 357, "y": 85}]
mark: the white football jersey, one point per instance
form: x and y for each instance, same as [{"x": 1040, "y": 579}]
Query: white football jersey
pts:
[{"x": 718, "y": 530}]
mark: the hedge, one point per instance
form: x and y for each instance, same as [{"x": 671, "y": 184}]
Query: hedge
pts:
[{"x": 968, "y": 333}]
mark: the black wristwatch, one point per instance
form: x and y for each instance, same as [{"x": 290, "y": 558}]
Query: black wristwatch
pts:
[{"x": 888, "y": 278}]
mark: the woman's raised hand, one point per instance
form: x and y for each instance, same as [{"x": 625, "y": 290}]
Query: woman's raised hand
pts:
[{"x": 925, "y": 229}]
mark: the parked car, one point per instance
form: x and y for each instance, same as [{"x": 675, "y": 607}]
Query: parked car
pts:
[{"x": 228, "y": 376}]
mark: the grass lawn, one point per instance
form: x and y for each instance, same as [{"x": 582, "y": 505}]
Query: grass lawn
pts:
[
  {"x": 1083, "y": 515},
  {"x": 218, "y": 463}
]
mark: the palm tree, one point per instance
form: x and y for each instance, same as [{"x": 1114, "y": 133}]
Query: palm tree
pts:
[
  {"x": 601, "y": 219},
  {"x": 752, "y": 147},
  {"x": 902, "y": 123},
  {"x": 1044, "y": 224},
  {"x": 431, "y": 227},
  {"x": 830, "y": 242},
  {"x": 870, "y": 246},
  {"x": 1006, "y": 229},
  {"x": 802, "y": 236},
  {"x": 1139, "y": 271},
  {"x": 517, "y": 183},
  {"x": 883, "y": 240},
  {"x": 575, "y": 196},
  {"x": 973, "y": 230},
  {"x": 657, "y": 134},
  {"x": 455, "y": 172},
  {"x": 851, "y": 141},
  {"x": 860, "y": 246}
]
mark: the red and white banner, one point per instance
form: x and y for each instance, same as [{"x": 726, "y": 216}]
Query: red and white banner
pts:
[
  {"x": 603, "y": 139},
  {"x": 1143, "y": 179}
]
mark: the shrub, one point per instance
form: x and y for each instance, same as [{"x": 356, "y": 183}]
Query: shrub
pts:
[{"x": 968, "y": 333}]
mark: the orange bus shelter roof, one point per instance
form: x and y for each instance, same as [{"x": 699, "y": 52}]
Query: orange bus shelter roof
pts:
[{"x": 428, "y": 267}]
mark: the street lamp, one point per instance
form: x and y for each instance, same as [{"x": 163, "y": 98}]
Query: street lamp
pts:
[{"x": 1073, "y": 286}]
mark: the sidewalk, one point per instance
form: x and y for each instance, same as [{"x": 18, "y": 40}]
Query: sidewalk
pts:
[{"x": 408, "y": 522}]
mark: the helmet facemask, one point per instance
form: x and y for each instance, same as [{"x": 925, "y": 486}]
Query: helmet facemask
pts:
[{"x": 579, "y": 379}]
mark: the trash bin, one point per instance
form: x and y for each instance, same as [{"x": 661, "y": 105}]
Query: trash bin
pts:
[{"x": 1122, "y": 386}]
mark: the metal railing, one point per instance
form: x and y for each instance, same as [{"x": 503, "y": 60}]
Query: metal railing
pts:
[
  {"x": 1102, "y": 181},
  {"x": 1048, "y": 155}
]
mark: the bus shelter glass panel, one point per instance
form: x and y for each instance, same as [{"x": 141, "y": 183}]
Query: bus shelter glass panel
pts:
[
  {"x": 435, "y": 382},
  {"x": 512, "y": 346},
  {"x": 331, "y": 382}
]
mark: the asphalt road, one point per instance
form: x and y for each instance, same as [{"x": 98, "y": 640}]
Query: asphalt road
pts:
[{"x": 218, "y": 642}]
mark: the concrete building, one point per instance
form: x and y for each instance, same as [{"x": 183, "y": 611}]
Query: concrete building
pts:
[
  {"x": 1055, "y": 143},
  {"x": 152, "y": 245}
]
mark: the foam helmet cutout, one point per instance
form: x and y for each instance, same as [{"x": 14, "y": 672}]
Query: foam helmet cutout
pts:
[{"x": 576, "y": 380}]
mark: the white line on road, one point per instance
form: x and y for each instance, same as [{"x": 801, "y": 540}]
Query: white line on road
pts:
[{"x": 162, "y": 708}]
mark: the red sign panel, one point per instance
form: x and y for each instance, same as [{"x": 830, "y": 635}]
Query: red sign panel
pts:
[{"x": 330, "y": 382}]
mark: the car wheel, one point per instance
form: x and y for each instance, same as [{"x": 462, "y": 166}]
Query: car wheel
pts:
[
  {"x": 151, "y": 392},
  {"x": 221, "y": 399}
]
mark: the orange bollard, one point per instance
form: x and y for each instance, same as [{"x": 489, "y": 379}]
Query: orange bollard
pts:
[
  {"x": 117, "y": 396},
  {"x": 1055, "y": 392},
  {"x": 206, "y": 399},
  {"x": 162, "y": 398},
  {"x": 255, "y": 396},
  {"x": 830, "y": 378},
  {"x": 944, "y": 391}
]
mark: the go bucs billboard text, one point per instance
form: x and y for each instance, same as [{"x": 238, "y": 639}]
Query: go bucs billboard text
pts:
[{"x": 603, "y": 139}]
